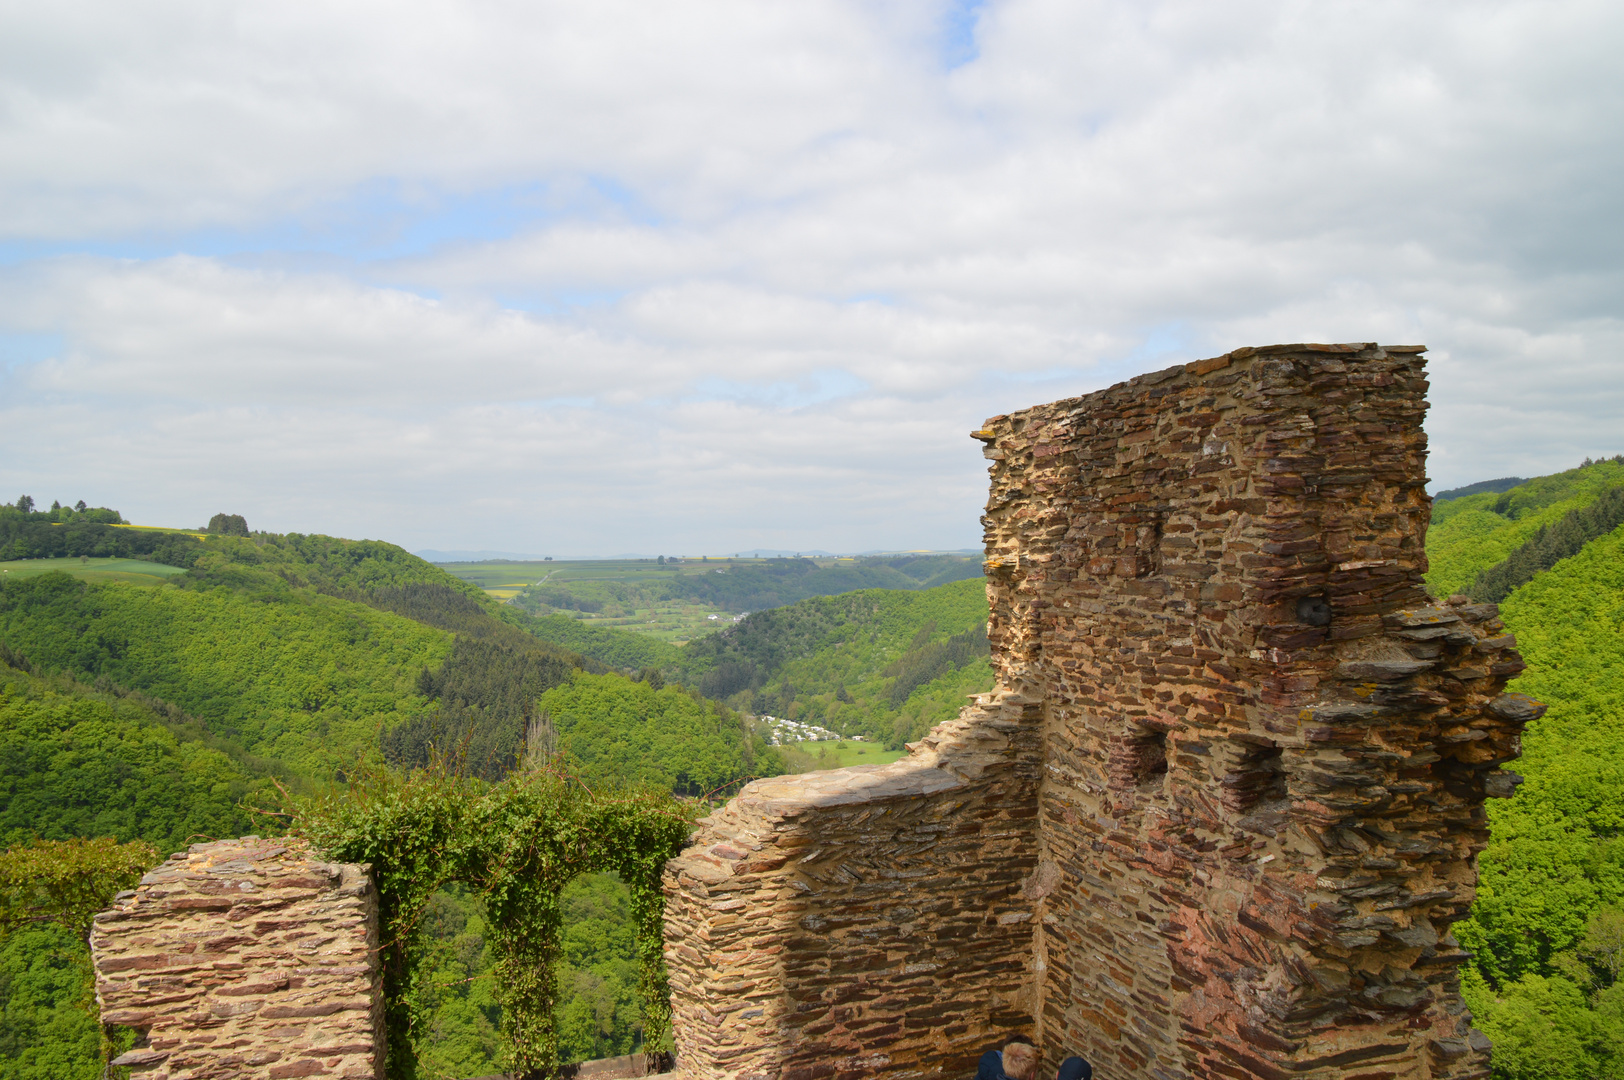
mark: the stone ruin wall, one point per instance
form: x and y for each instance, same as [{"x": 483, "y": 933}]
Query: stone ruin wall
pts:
[
  {"x": 861, "y": 921},
  {"x": 1219, "y": 813},
  {"x": 248, "y": 959}
]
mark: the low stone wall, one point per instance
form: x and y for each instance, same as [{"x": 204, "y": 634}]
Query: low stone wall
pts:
[
  {"x": 857, "y": 922},
  {"x": 245, "y": 958}
]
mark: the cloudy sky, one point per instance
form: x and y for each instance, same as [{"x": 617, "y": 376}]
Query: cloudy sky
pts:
[{"x": 587, "y": 278}]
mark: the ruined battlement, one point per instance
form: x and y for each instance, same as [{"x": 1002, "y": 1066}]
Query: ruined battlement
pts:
[{"x": 1220, "y": 811}]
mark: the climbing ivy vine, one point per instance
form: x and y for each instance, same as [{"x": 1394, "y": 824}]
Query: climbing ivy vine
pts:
[
  {"x": 61, "y": 883},
  {"x": 517, "y": 843},
  {"x": 67, "y": 881}
]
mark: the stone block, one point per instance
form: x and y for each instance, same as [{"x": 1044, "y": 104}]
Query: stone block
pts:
[{"x": 172, "y": 961}]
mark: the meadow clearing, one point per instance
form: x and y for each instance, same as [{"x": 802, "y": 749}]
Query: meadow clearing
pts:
[
  {"x": 817, "y": 756},
  {"x": 132, "y": 571},
  {"x": 629, "y": 594}
]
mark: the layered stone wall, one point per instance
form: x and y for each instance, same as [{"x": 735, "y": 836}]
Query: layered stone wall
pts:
[
  {"x": 245, "y": 958},
  {"x": 1219, "y": 814},
  {"x": 860, "y": 921}
]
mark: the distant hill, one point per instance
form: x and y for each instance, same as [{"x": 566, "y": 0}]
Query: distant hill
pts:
[
  {"x": 1474, "y": 532},
  {"x": 735, "y": 586},
  {"x": 776, "y": 582},
  {"x": 1505, "y": 483},
  {"x": 433, "y": 556}
]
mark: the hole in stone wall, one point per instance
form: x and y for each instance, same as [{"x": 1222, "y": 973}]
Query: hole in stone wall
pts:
[
  {"x": 1147, "y": 544},
  {"x": 1258, "y": 777},
  {"x": 1314, "y": 610},
  {"x": 1150, "y": 758}
]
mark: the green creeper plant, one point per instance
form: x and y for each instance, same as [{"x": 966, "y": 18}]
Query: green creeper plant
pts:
[
  {"x": 67, "y": 881},
  {"x": 517, "y": 843}
]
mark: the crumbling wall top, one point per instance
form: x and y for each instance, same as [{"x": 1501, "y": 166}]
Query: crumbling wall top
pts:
[{"x": 245, "y": 958}]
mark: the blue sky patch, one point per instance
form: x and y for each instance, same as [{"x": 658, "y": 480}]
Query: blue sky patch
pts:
[
  {"x": 19, "y": 349},
  {"x": 959, "y": 32},
  {"x": 378, "y": 220}
]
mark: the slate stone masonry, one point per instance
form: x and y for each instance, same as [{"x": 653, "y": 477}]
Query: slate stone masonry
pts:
[
  {"x": 1220, "y": 812},
  {"x": 245, "y": 958}
]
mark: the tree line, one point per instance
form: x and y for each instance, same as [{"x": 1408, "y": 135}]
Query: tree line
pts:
[{"x": 44, "y": 536}]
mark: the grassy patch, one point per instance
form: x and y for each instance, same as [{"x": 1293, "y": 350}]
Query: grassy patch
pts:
[
  {"x": 817, "y": 756},
  {"x": 99, "y": 571},
  {"x": 500, "y": 579},
  {"x": 628, "y": 594}
]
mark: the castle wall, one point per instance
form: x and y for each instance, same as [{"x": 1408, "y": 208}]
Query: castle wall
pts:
[
  {"x": 866, "y": 921},
  {"x": 1261, "y": 754},
  {"x": 248, "y": 959}
]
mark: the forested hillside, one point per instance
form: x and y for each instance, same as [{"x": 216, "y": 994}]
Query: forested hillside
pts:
[
  {"x": 881, "y": 663},
  {"x": 303, "y": 678},
  {"x": 163, "y": 710},
  {"x": 87, "y": 760},
  {"x": 77, "y": 760},
  {"x": 1471, "y": 534},
  {"x": 617, "y": 732},
  {"x": 1548, "y": 927}
]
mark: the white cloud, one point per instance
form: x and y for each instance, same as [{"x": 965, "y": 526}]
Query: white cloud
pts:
[{"x": 740, "y": 274}]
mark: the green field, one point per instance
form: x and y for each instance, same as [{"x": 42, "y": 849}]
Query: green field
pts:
[
  {"x": 626, "y": 591},
  {"x": 816, "y": 756},
  {"x": 502, "y": 580},
  {"x": 134, "y": 571}
]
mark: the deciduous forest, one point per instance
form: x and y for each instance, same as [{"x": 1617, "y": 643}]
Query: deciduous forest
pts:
[{"x": 1548, "y": 926}]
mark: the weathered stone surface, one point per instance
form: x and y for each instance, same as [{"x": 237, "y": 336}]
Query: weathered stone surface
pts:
[
  {"x": 245, "y": 958},
  {"x": 838, "y": 915},
  {"x": 1219, "y": 813}
]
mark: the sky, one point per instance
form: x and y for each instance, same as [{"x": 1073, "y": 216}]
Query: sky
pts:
[{"x": 640, "y": 277}]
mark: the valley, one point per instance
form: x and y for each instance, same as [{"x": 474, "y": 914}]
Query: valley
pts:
[
  {"x": 175, "y": 685},
  {"x": 678, "y": 599}
]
